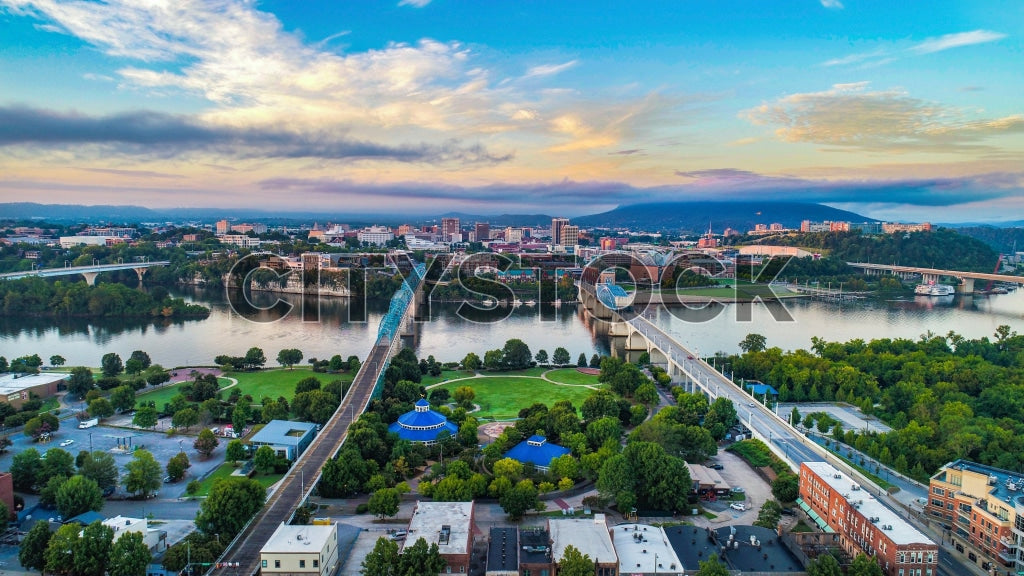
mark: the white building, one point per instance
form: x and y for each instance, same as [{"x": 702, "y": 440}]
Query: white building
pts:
[
  {"x": 240, "y": 240},
  {"x": 645, "y": 549},
  {"x": 154, "y": 538},
  {"x": 376, "y": 235},
  {"x": 588, "y": 535},
  {"x": 72, "y": 241},
  {"x": 307, "y": 550}
]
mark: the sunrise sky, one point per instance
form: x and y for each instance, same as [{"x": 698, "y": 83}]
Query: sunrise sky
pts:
[{"x": 897, "y": 110}]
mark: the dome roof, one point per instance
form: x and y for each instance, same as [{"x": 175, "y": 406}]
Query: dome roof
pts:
[{"x": 421, "y": 424}]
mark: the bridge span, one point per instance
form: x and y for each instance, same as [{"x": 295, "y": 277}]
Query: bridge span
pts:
[
  {"x": 89, "y": 271},
  {"x": 301, "y": 479},
  {"x": 932, "y": 274}
]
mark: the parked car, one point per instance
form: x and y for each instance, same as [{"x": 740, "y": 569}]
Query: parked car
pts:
[
  {"x": 716, "y": 466},
  {"x": 67, "y": 442},
  {"x": 738, "y": 506}
]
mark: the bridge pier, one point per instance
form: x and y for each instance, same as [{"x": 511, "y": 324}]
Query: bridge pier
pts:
[
  {"x": 90, "y": 277},
  {"x": 139, "y": 272},
  {"x": 929, "y": 278},
  {"x": 966, "y": 286}
]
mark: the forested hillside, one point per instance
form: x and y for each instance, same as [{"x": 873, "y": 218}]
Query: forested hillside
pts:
[{"x": 946, "y": 397}]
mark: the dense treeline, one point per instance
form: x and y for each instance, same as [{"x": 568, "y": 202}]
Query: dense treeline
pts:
[
  {"x": 1005, "y": 240},
  {"x": 946, "y": 397},
  {"x": 39, "y": 297}
]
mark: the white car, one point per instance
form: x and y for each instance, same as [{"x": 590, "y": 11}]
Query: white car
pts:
[
  {"x": 737, "y": 506},
  {"x": 66, "y": 443}
]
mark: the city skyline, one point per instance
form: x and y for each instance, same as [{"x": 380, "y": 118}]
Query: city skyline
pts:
[{"x": 887, "y": 110}]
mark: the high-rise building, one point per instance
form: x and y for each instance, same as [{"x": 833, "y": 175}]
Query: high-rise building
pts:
[
  {"x": 223, "y": 227},
  {"x": 569, "y": 235},
  {"x": 450, "y": 227},
  {"x": 556, "y": 229},
  {"x": 482, "y": 231}
]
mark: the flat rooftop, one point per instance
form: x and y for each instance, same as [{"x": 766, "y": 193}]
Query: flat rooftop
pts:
[
  {"x": 589, "y": 535},
  {"x": 534, "y": 546},
  {"x": 503, "y": 550},
  {"x": 429, "y": 520},
  {"x": 283, "y": 432},
  {"x": 902, "y": 532},
  {"x": 1003, "y": 484},
  {"x": 11, "y": 383},
  {"x": 693, "y": 545},
  {"x": 299, "y": 538},
  {"x": 638, "y": 545}
]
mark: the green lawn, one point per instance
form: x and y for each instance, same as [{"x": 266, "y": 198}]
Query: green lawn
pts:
[
  {"x": 501, "y": 397},
  {"x": 571, "y": 376},
  {"x": 164, "y": 395},
  {"x": 280, "y": 382},
  {"x": 225, "y": 470},
  {"x": 445, "y": 376},
  {"x": 741, "y": 290}
]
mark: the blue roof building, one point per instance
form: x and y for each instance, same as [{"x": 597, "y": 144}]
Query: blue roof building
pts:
[
  {"x": 288, "y": 439},
  {"x": 422, "y": 424},
  {"x": 536, "y": 450},
  {"x": 760, "y": 388}
]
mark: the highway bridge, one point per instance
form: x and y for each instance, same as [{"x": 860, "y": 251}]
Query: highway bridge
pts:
[
  {"x": 301, "y": 479},
  {"x": 90, "y": 271},
  {"x": 933, "y": 274}
]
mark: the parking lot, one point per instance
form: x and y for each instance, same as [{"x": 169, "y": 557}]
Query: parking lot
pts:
[
  {"x": 850, "y": 416},
  {"x": 120, "y": 442}
]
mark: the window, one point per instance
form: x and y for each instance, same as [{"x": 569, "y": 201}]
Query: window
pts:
[
  {"x": 277, "y": 563},
  {"x": 938, "y": 491},
  {"x": 302, "y": 563},
  {"x": 316, "y": 563},
  {"x": 263, "y": 564}
]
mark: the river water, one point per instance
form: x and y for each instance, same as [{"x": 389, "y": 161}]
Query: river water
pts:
[{"x": 345, "y": 328}]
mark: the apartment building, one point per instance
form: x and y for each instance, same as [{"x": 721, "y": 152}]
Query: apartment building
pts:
[
  {"x": 301, "y": 550},
  {"x": 865, "y": 525},
  {"x": 983, "y": 506}
]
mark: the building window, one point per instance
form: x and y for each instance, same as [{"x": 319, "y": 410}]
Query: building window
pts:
[
  {"x": 939, "y": 491},
  {"x": 263, "y": 564},
  {"x": 302, "y": 563},
  {"x": 277, "y": 563},
  {"x": 316, "y": 563}
]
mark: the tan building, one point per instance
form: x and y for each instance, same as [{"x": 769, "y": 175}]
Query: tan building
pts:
[
  {"x": 450, "y": 525},
  {"x": 305, "y": 550},
  {"x": 556, "y": 229},
  {"x": 838, "y": 503},
  {"x": 451, "y": 230},
  {"x": 570, "y": 235},
  {"x": 16, "y": 389},
  {"x": 588, "y": 535},
  {"x": 981, "y": 506}
]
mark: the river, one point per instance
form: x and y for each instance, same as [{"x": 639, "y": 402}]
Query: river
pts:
[{"x": 347, "y": 329}]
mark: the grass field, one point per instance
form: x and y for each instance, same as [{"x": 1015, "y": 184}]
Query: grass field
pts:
[
  {"x": 225, "y": 470},
  {"x": 571, "y": 376},
  {"x": 163, "y": 395},
  {"x": 742, "y": 291},
  {"x": 275, "y": 383},
  {"x": 445, "y": 376},
  {"x": 501, "y": 397}
]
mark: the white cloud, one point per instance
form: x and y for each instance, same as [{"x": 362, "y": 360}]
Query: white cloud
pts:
[
  {"x": 957, "y": 40},
  {"x": 832, "y": 4},
  {"x": 414, "y": 3},
  {"x": 549, "y": 69}
]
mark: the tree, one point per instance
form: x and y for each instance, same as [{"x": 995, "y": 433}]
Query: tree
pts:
[
  {"x": 575, "y": 563},
  {"x": 25, "y": 468},
  {"x": 122, "y": 398},
  {"x": 32, "y": 554},
  {"x": 522, "y": 497},
  {"x": 712, "y": 567},
  {"x": 92, "y": 552},
  {"x": 129, "y": 556},
  {"x": 193, "y": 487},
  {"x": 384, "y": 502},
  {"x": 581, "y": 362},
  {"x": 100, "y": 467},
  {"x": 541, "y": 357},
  {"x": 57, "y": 360},
  {"x": 44, "y": 423},
  {"x": 254, "y": 358},
  {"x": 560, "y": 357},
  {"x": 493, "y": 359},
  {"x": 206, "y": 443},
  {"x": 264, "y": 459},
  {"x": 101, "y": 408},
  {"x": 769, "y": 515},
  {"x": 235, "y": 451},
  {"x": 144, "y": 474},
  {"x": 786, "y": 487},
  {"x": 145, "y": 417},
  {"x": 111, "y": 365},
  {"x": 79, "y": 494},
  {"x": 753, "y": 343},
  {"x": 289, "y": 357},
  {"x": 353, "y": 364},
  {"x": 516, "y": 355},
  {"x": 241, "y": 414},
  {"x": 177, "y": 466},
  {"x": 471, "y": 362},
  {"x": 57, "y": 462},
  {"x": 420, "y": 559},
  {"x": 231, "y": 503},
  {"x": 646, "y": 394},
  {"x": 464, "y": 395},
  {"x": 185, "y": 418},
  {"x": 595, "y": 361},
  {"x": 60, "y": 552},
  {"x": 863, "y": 565},
  {"x": 142, "y": 358},
  {"x": 382, "y": 560},
  {"x": 824, "y": 565},
  {"x": 80, "y": 381}
]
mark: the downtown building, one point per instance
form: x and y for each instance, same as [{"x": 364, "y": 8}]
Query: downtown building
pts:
[
  {"x": 982, "y": 507},
  {"x": 863, "y": 524}
]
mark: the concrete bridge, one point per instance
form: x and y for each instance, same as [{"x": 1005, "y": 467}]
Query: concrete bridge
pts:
[
  {"x": 90, "y": 272},
  {"x": 966, "y": 279},
  {"x": 297, "y": 485}
]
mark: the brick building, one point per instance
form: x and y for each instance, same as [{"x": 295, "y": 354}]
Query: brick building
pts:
[
  {"x": 864, "y": 524},
  {"x": 450, "y": 525}
]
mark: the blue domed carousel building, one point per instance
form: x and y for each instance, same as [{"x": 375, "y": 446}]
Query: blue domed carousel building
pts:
[{"x": 422, "y": 424}]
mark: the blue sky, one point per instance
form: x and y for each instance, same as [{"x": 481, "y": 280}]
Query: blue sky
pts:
[{"x": 893, "y": 109}]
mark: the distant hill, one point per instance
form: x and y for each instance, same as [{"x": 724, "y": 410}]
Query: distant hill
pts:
[
  {"x": 695, "y": 216},
  {"x": 502, "y": 220}
]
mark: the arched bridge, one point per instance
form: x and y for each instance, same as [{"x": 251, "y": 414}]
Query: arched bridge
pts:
[
  {"x": 932, "y": 274},
  {"x": 90, "y": 272}
]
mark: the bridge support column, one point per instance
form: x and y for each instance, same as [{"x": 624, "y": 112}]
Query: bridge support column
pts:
[
  {"x": 140, "y": 272},
  {"x": 90, "y": 277},
  {"x": 929, "y": 278},
  {"x": 966, "y": 286}
]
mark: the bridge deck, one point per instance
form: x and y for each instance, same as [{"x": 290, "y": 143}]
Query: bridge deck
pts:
[
  {"x": 245, "y": 548},
  {"x": 69, "y": 270},
  {"x": 938, "y": 272}
]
